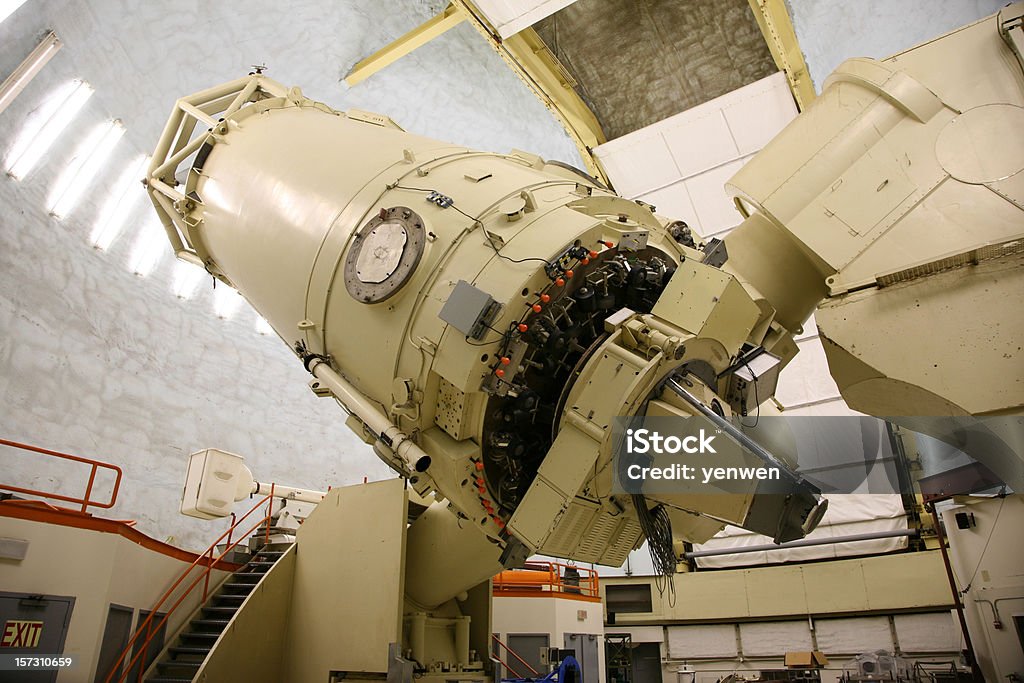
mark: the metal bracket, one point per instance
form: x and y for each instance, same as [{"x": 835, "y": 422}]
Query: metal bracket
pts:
[
  {"x": 715, "y": 253},
  {"x": 1012, "y": 31}
]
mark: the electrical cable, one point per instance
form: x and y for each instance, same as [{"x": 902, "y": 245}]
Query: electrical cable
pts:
[
  {"x": 657, "y": 527},
  {"x": 496, "y": 341},
  {"x": 985, "y": 548},
  {"x": 757, "y": 402},
  {"x": 476, "y": 221}
]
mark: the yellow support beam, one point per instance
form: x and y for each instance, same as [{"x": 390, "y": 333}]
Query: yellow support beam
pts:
[
  {"x": 775, "y": 24},
  {"x": 421, "y": 35},
  {"x": 538, "y": 67},
  {"x": 528, "y": 57}
]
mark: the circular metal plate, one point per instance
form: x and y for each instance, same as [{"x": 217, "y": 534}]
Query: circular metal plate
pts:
[
  {"x": 384, "y": 254},
  {"x": 984, "y": 144},
  {"x": 381, "y": 252}
]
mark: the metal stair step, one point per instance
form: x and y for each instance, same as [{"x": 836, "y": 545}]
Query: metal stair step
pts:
[
  {"x": 182, "y": 661},
  {"x": 198, "y": 635},
  {"x": 212, "y": 623},
  {"x": 221, "y": 610},
  {"x": 173, "y": 664}
]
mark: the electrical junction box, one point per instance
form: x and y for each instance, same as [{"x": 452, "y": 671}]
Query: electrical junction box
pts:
[
  {"x": 469, "y": 310},
  {"x": 215, "y": 480}
]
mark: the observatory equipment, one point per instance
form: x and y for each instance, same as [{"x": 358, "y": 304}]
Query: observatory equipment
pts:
[{"x": 484, "y": 318}]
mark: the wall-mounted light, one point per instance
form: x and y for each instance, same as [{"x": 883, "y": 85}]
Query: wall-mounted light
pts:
[
  {"x": 226, "y": 302},
  {"x": 83, "y": 167},
  {"x": 123, "y": 200},
  {"x": 27, "y": 70},
  {"x": 187, "y": 278},
  {"x": 149, "y": 249},
  {"x": 8, "y": 7},
  {"x": 41, "y": 130}
]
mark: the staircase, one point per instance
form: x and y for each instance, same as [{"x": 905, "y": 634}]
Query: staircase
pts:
[{"x": 181, "y": 662}]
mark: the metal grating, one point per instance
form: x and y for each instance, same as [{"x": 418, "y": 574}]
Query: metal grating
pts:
[
  {"x": 967, "y": 258},
  {"x": 609, "y": 540},
  {"x": 570, "y": 530},
  {"x": 625, "y": 538}
]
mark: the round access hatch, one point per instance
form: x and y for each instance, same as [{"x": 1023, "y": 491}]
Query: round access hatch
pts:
[{"x": 384, "y": 254}]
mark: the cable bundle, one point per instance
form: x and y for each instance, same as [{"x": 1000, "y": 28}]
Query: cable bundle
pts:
[{"x": 657, "y": 527}]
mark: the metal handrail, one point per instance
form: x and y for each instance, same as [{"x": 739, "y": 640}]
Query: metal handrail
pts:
[
  {"x": 147, "y": 624},
  {"x": 506, "y": 665},
  {"x": 550, "y": 576},
  {"x": 513, "y": 653},
  {"x": 86, "y": 502}
]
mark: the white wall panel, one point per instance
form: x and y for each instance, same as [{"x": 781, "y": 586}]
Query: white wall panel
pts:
[
  {"x": 707, "y": 144},
  {"x": 645, "y": 164},
  {"x": 770, "y": 639},
  {"x": 673, "y": 201},
  {"x": 715, "y": 210},
  {"x": 806, "y": 379},
  {"x": 640, "y": 634},
  {"x": 853, "y": 636},
  {"x": 510, "y": 17},
  {"x": 938, "y": 632},
  {"x": 758, "y": 117},
  {"x": 712, "y": 640},
  {"x": 701, "y": 143}
]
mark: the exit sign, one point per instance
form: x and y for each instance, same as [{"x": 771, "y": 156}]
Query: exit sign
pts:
[{"x": 22, "y": 634}]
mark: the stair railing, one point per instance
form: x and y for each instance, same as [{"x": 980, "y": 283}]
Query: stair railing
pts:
[
  {"x": 514, "y": 654},
  {"x": 148, "y": 628},
  {"x": 85, "y": 501}
]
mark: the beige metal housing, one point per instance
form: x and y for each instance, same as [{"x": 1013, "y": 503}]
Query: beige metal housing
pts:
[
  {"x": 274, "y": 183},
  {"x": 483, "y": 317},
  {"x": 899, "y": 199}
]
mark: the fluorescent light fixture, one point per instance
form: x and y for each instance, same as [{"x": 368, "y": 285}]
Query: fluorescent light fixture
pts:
[
  {"x": 149, "y": 249},
  {"x": 83, "y": 167},
  {"x": 226, "y": 301},
  {"x": 123, "y": 200},
  {"x": 8, "y": 7},
  {"x": 43, "y": 129},
  {"x": 28, "y": 69},
  {"x": 262, "y": 326},
  {"x": 187, "y": 278}
]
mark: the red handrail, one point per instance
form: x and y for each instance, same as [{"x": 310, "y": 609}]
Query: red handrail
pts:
[
  {"x": 506, "y": 665},
  {"x": 513, "y": 653},
  {"x": 87, "y": 501},
  {"x": 147, "y": 626}
]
